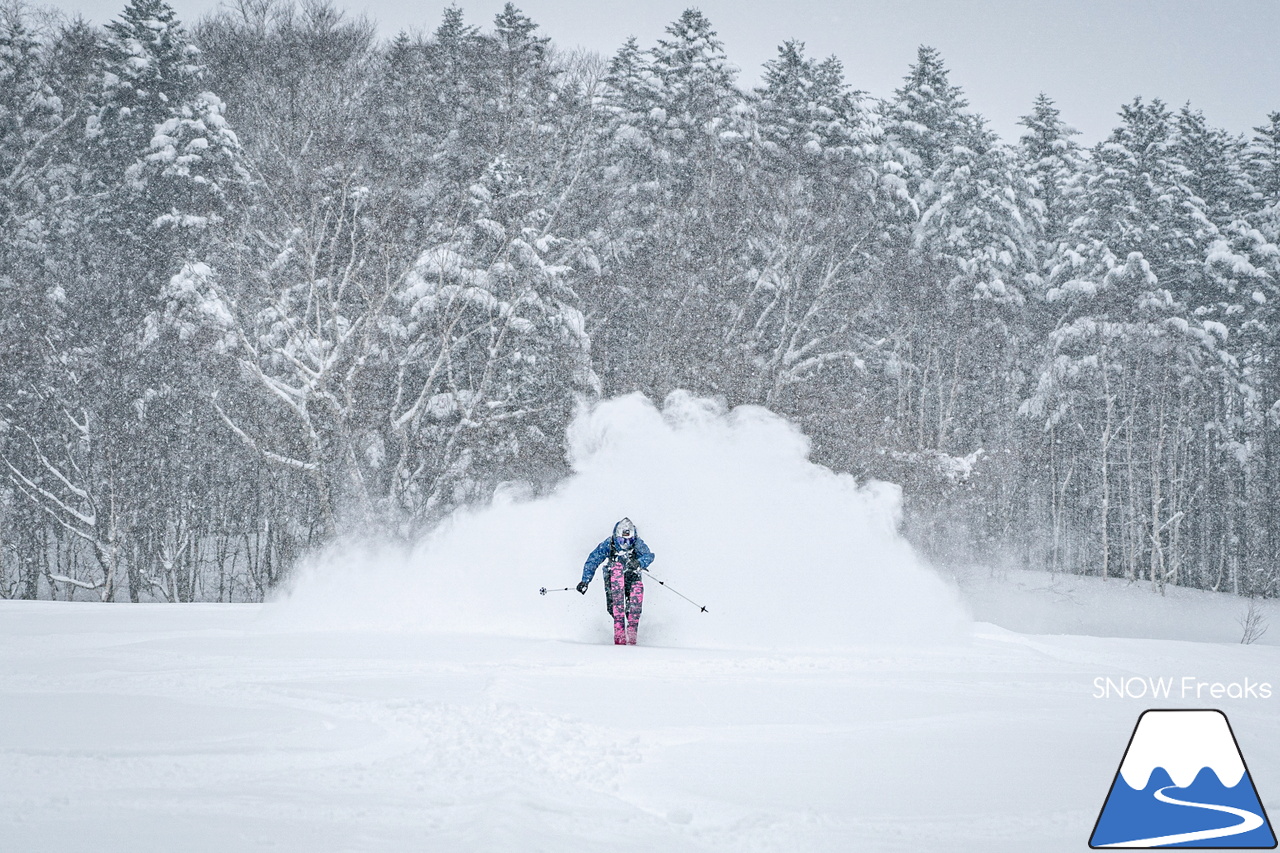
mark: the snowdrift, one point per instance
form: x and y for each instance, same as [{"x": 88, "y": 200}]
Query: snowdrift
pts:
[{"x": 783, "y": 552}]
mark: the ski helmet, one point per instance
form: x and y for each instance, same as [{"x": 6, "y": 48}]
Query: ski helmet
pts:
[{"x": 624, "y": 529}]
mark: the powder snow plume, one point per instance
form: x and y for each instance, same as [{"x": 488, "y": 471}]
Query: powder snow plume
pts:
[{"x": 784, "y": 553}]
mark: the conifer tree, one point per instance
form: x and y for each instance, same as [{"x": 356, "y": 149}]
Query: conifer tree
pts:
[
  {"x": 927, "y": 117},
  {"x": 30, "y": 115},
  {"x": 677, "y": 135},
  {"x": 1053, "y": 161},
  {"x": 1263, "y": 160},
  {"x": 806, "y": 110},
  {"x": 697, "y": 82},
  {"x": 1214, "y": 164}
]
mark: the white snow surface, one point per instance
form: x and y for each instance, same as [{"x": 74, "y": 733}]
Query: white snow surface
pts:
[
  {"x": 1183, "y": 743},
  {"x": 1045, "y": 603},
  {"x": 196, "y": 728},
  {"x": 783, "y": 553}
]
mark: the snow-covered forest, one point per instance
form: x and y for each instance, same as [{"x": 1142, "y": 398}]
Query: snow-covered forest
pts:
[{"x": 267, "y": 280}]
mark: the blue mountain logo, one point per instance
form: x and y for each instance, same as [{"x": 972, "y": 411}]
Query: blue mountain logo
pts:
[{"x": 1183, "y": 783}]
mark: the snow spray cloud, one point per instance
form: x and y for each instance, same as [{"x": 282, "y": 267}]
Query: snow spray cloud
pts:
[{"x": 784, "y": 553}]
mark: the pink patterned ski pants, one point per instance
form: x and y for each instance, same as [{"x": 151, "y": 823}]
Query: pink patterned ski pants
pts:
[{"x": 625, "y": 608}]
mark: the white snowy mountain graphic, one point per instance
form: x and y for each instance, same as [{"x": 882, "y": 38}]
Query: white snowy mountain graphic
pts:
[{"x": 1183, "y": 783}]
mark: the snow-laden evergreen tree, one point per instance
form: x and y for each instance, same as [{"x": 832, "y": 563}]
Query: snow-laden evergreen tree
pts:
[
  {"x": 975, "y": 248},
  {"x": 178, "y": 154},
  {"x": 451, "y": 80},
  {"x": 676, "y": 105},
  {"x": 698, "y": 98},
  {"x": 629, "y": 101},
  {"x": 1138, "y": 198},
  {"x": 630, "y": 153},
  {"x": 979, "y": 219},
  {"x": 1238, "y": 254},
  {"x": 522, "y": 61},
  {"x": 30, "y": 117},
  {"x": 927, "y": 116},
  {"x": 1262, "y": 368},
  {"x": 41, "y": 102},
  {"x": 398, "y": 106},
  {"x": 181, "y": 170},
  {"x": 631, "y": 88},
  {"x": 32, "y": 180},
  {"x": 1262, "y": 160},
  {"x": 1214, "y": 166},
  {"x": 974, "y": 205},
  {"x": 426, "y": 113},
  {"x": 1053, "y": 162},
  {"x": 677, "y": 139},
  {"x": 806, "y": 112},
  {"x": 1054, "y": 165},
  {"x": 1244, "y": 269},
  {"x": 957, "y": 290}
]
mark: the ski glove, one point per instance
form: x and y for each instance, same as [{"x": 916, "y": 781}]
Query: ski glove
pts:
[{"x": 582, "y": 587}]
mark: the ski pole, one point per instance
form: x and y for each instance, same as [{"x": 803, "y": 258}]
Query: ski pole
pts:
[
  {"x": 544, "y": 590},
  {"x": 701, "y": 609}
]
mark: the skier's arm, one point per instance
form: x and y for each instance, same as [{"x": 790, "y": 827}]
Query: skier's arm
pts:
[
  {"x": 643, "y": 555},
  {"x": 593, "y": 562}
]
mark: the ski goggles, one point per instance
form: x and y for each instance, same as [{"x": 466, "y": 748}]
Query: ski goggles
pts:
[{"x": 625, "y": 540}]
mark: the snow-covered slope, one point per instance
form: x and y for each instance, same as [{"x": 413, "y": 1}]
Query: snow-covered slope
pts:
[
  {"x": 200, "y": 728},
  {"x": 1044, "y": 603}
]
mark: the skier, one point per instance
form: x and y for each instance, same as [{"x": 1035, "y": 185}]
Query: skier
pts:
[{"x": 625, "y": 555}]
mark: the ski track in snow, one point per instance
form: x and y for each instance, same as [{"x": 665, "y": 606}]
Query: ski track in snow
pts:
[{"x": 195, "y": 728}]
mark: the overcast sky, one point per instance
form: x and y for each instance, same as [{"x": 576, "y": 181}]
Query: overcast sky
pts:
[{"x": 1090, "y": 56}]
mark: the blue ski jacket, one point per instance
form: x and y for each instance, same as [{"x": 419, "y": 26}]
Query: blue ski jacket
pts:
[{"x": 606, "y": 552}]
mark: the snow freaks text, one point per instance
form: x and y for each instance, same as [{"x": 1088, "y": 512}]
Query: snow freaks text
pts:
[{"x": 1186, "y": 687}]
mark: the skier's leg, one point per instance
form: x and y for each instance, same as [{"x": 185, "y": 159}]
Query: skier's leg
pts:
[
  {"x": 618, "y": 600},
  {"x": 635, "y": 601}
]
